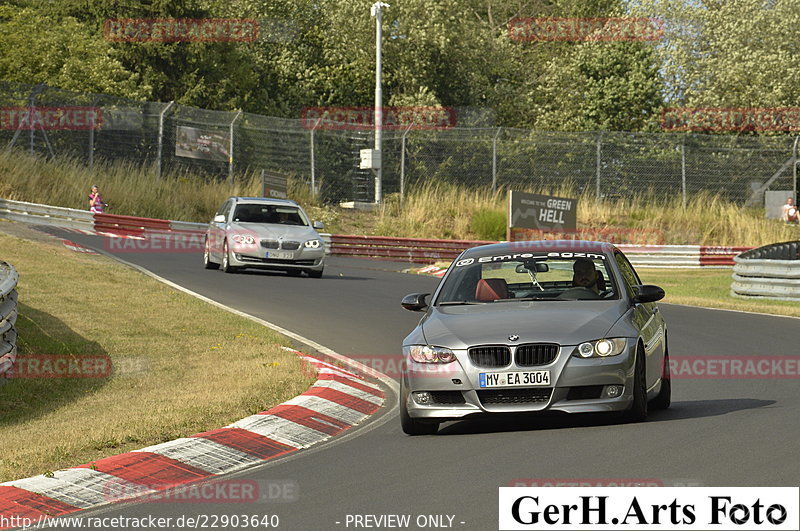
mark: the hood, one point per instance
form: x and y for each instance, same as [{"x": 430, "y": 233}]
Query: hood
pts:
[
  {"x": 277, "y": 232},
  {"x": 562, "y": 322}
]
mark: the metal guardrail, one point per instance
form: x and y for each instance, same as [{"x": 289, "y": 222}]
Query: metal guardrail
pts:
[
  {"x": 771, "y": 272},
  {"x": 404, "y": 249},
  {"x": 8, "y": 316},
  {"x": 45, "y": 214}
]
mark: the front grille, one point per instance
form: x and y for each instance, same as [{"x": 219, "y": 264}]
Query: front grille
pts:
[
  {"x": 514, "y": 396},
  {"x": 447, "y": 397},
  {"x": 290, "y": 246},
  {"x": 269, "y": 244},
  {"x": 536, "y": 354},
  {"x": 490, "y": 356}
]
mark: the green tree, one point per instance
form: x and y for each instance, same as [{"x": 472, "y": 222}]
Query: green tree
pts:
[
  {"x": 728, "y": 54},
  {"x": 37, "y": 47}
]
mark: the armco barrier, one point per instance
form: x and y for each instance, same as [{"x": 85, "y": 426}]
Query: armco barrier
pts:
[
  {"x": 404, "y": 249},
  {"x": 409, "y": 249},
  {"x": 771, "y": 272},
  {"x": 8, "y": 316},
  {"x": 421, "y": 250}
]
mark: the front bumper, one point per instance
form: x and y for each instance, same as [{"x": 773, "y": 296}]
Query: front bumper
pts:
[
  {"x": 305, "y": 259},
  {"x": 577, "y": 385}
]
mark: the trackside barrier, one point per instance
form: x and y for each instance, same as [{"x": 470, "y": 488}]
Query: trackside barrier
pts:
[
  {"x": 408, "y": 249},
  {"x": 770, "y": 272},
  {"x": 8, "y": 316},
  {"x": 416, "y": 250},
  {"x": 403, "y": 249}
]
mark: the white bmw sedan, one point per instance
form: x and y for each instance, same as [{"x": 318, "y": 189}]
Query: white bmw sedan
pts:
[{"x": 258, "y": 232}]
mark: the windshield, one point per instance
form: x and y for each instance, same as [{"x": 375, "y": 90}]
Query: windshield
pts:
[
  {"x": 545, "y": 277},
  {"x": 276, "y": 214}
]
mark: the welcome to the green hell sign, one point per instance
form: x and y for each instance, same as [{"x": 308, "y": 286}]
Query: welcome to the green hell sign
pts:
[{"x": 543, "y": 212}]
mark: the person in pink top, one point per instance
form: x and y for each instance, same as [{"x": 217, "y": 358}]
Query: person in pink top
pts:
[
  {"x": 789, "y": 213},
  {"x": 96, "y": 201}
]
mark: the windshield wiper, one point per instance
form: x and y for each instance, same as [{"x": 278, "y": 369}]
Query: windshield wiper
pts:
[{"x": 454, "y": 303}]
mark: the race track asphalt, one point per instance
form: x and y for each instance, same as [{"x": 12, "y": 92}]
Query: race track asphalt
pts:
[{"x": 736, "y": 432}]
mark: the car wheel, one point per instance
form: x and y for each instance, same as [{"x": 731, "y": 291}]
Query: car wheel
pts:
[
  {"x": 409, "y": 425},
  {"x": 293, "y": 272},
  {"x": 638, "y": 410},
  {"x": 315, "y": 274},
  {"x": 207, "y": 263},
  {"x": 664, "y": 398},
  {"x": 226, "y": 259}
]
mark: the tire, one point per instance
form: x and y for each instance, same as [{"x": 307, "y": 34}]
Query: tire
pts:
[
  {"x": 638, "y": 410},
  {"x": 664, "y": 398},
  {"x": 226, "y": 260},
  {"x": 207, "y": 263},
  {"x": 409, "y": 425},
  {"x": 293, "y": 272},
  {"x": 315, "y": 274}
]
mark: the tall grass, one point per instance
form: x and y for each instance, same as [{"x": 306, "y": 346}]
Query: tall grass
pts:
[
  {"x": 130, "y": 189},
  {"x": 446, "y": 211},
  {"x": 428, "y": 211}
]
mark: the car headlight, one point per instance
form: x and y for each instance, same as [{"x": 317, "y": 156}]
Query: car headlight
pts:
[
  {"x": 243, "y": 238},
  {"x": 429, "y": 354},
  {"x": 313, "y": 244},
  {"x": 602, "y": 348}
]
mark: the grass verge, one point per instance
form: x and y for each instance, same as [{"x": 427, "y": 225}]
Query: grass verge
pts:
[
  {"x": 710, "y": 288},
  {"x": 199, "y": 367}
]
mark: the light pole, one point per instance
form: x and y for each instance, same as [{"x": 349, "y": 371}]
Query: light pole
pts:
[{"x": 377, "y": 11}]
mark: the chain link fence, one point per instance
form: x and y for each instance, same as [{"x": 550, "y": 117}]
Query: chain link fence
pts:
[{"x": 177, "y": 139}]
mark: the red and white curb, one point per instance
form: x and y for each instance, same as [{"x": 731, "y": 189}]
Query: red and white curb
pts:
[
  {"x": 337, "y": 401},
  {"x": 431, "y": 270}
]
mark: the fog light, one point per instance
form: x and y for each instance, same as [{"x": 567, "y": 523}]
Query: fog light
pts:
[
  {"x": 423, "y": 397},
  {"x": 457, "y": 381},
  {"x": 237, "y": 256},
  {"x": 613, "y": 391}
]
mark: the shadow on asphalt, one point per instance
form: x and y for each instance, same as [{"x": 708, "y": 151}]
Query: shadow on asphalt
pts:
[
  {"x": 553, "y": 420},
  {"x": 325, "y": 277}
]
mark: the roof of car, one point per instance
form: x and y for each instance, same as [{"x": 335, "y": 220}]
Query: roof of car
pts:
[
  {"x": 581, "y": 246},
  {"x": 268, "y": 200}
]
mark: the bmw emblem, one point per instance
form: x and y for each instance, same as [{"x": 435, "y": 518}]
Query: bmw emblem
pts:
[{"x": 513, "y": 337}]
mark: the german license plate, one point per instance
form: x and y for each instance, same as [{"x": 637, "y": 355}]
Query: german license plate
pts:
[
  {"x": 284, "y": 255},
  {"x": 514, "y": 379}
]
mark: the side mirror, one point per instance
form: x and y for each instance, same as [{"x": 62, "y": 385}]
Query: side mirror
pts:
[
  {"x": 647, "y": 293},
  {"x": 219, "y": 218},
  {"x": 415, "y": 302},
  {"x": 318, "y": 225}
]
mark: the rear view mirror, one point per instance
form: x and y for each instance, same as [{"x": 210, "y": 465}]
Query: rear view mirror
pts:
[
  {"x": 318, "y": 225},
  {"x": 647, "y": 293},
  {"x": 219, "y": 218},
  {"x": 415, "y": 302},
  {"x": 538, "y": 267}
]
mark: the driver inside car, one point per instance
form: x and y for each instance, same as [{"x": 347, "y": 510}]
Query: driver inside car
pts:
[{"x": 586, "y": 276}]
